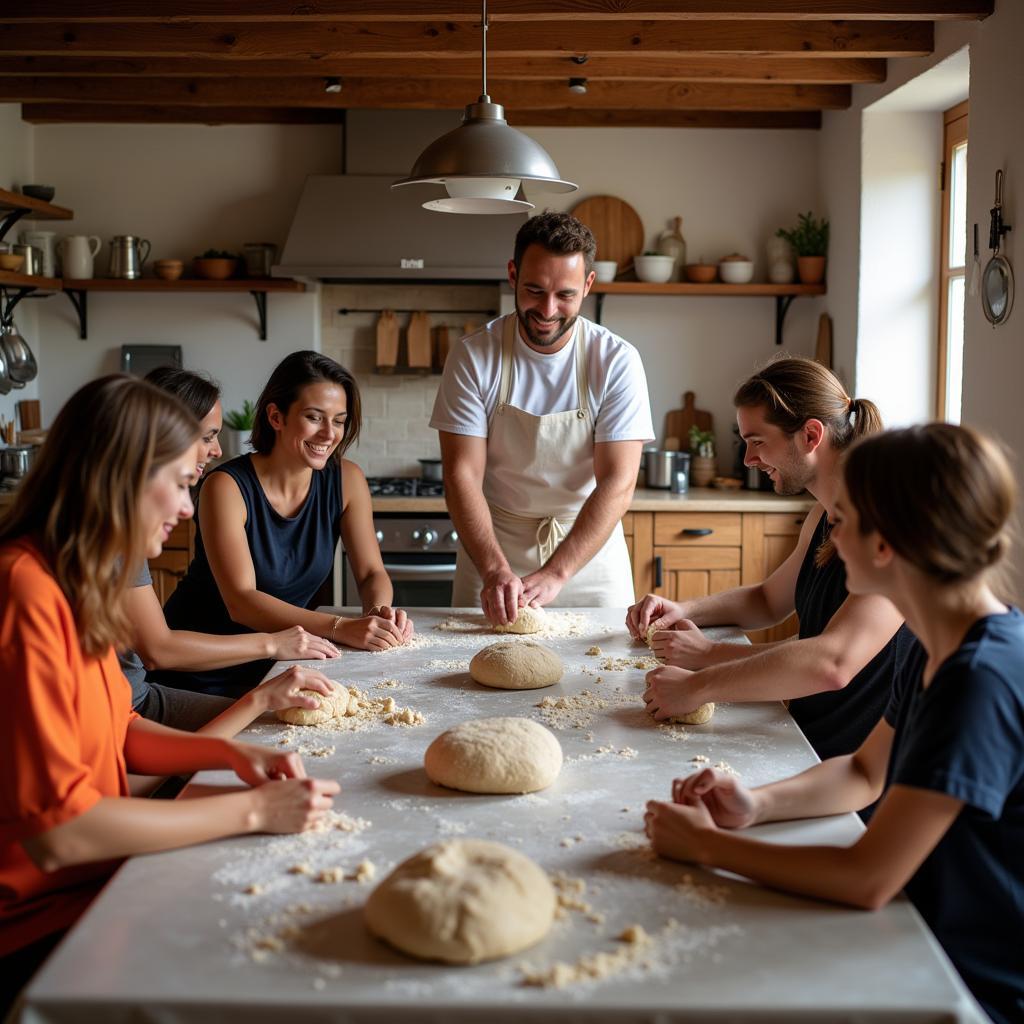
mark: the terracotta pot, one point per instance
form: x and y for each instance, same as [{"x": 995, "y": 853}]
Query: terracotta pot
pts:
[
  {"x": 811, "y": 269},
  {"x": 215, "y": 269},
  {"x": 702, "y": 470}
]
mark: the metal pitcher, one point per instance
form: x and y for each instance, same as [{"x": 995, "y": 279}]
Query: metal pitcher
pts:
[{"x": 127, "y": 255}]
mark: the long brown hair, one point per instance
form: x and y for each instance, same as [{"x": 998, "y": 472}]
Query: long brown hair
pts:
[
  {"x": 80, "y": 501},
  {"x": 792, "y": 391},
  {"x": 941, "y": 495}
]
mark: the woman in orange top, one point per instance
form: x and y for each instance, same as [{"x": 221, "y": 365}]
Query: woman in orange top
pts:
[{"x": 107, "y": 489}]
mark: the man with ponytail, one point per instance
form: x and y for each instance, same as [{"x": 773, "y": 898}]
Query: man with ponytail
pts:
[{"x": 797, "y": 421}]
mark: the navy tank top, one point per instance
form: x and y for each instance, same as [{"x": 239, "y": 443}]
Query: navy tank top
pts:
[
  {"x": 292, "y": 557},
  {"x": 837, "y": 722}
]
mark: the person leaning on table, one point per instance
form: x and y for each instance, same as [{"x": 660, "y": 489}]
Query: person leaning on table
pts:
[
  {"x": 542, "y": 416},
  {"x": 105, "y": 491},
  {"x": 947, "y": 758},
  {"x": 797, "y": 420}
]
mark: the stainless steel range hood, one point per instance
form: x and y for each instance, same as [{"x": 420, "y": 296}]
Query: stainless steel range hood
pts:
[{"x": 351, "y": 227}]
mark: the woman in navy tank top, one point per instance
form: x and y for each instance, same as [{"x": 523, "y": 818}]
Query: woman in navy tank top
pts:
[
  {"x": 922, "y": 519},
  {"x": 269, "y": 524}
]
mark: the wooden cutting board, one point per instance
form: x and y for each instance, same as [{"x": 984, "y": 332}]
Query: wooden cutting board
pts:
[
  {"x": 679, "y": 421},
  {"x": 418, "y": 341},
  {"x": 442, "y": 343},
  {"x": 387, "y": 342},
  {"x": 616, "y": 226},
  {"x": 823, "y": 348}
]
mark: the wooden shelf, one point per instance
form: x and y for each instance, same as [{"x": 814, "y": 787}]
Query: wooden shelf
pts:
[
  {"x": 9, "y": 279},
  {"x": 34, "y": 208}
]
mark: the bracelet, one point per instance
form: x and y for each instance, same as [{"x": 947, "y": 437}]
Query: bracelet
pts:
[{"x": 334, "y": 628}]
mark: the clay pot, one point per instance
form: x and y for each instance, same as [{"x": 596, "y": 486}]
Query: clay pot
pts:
[
  {"x": 702, "y": 470},
  {"x": 811, "y": 269}
]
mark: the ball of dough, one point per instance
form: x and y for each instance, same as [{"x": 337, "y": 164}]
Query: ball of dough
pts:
[
  {"x": 333, "y": 705},
  {"x": 495, "y": 755},
  {"x": 651, "y": 630},
  {"x": 516, "y": 665},
  {"x": 462, "y": 902},
  {"x": 700, "y": 716},
  {"x": 529, "y": 620}
]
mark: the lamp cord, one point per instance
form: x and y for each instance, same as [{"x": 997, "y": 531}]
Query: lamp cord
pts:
[{"x": 483, "y": 52}]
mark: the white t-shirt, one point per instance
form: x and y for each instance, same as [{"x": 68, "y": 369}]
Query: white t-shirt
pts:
[{"x": 544, "y": 383}]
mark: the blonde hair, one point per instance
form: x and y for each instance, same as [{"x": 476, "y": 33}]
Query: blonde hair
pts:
[{"x": 80, "y": 501}]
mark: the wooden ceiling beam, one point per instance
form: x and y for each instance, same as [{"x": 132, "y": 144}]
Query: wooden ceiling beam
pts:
[
  {"x": 241, "y": 11},
  {"x": 399, "y": 40},
  {"x": 111, "y": 113},
  {"x": 691, "y": 68},
  {"x": 413, "y": 94},
  {"x": 797, "y": 119}
]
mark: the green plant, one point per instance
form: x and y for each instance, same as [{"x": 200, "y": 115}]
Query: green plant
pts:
[
  {"x": 702, "y": 442},
  {"x": 809, "y": 237},
  {"x": 218, "y": 254},
  {"x": 241, "y": 419}
]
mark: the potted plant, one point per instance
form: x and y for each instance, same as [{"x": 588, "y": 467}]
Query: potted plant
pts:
[
  {"x": 703, "y": 466},
  {"x": 809, "y": 240},
  {"x": 236, "y": 423},
  {"x": 216, "y": 265}
]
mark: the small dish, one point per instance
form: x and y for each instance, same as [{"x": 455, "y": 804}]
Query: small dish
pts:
[
  {"x": 215, "y": 269},
  {"x": 168, "y": 270},
  {"x": 654, "y": 269},
  {"x": 736, "y": 269},
  {"x": 44, "y": 193},
  {"x": 605, "y": 270},
  {"x": 700, "y": 273},
  {"x": 11, "y": 261}
]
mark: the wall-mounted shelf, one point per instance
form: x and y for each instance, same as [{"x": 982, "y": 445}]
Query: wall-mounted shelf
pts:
[
  {"x": 784, "y": 294},
  {"x": 22, "y": 285},
  {"x": 78, "y": 290}
]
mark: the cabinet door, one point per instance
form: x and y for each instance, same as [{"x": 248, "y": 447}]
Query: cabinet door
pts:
[
  {"x": 685, "y": 572},
  {"x": 768, "y": 540}
]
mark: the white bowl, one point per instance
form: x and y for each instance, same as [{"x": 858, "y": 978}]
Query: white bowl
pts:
[
  {"x": 736, "y": 271},
  {"x": 654, "y": 269},
  {"x": 605, "y": 269}
]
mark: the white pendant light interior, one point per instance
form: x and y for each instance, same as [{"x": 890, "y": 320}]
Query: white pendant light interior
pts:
[{"x": 483, "y": 162}]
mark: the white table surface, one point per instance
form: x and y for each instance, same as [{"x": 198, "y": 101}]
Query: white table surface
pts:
[{"x": 172, "y": 937}]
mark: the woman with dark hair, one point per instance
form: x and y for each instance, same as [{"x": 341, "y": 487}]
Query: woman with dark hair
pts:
[
  {"x": 105, "y": 491},
  {"x": 155, "y": 646},
  {"x": 922, "y": 519},
  {"x": 269, "y": 524}
]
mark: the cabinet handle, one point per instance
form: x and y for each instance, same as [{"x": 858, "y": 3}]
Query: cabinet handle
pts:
[
  {"x": 799, "y": 520},
  {"x": 658, "y": 578},
  {"x": 697, "y": 533}
]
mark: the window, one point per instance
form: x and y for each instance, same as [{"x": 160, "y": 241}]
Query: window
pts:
[{"x": 952, "y": 264}]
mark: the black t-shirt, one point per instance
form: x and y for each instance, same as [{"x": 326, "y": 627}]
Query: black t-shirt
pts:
[
  {"x": 964, "y": 736},
  {"x": 838, "y": 721}
]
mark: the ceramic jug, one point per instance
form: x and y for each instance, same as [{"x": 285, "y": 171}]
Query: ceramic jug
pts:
[
  {"x": 127, "y": 255},
  {"x": 77, "y": 253},
  {"x": 43, "y": 241}
]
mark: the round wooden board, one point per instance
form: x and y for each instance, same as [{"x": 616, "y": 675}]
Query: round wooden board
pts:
[{"x": 616, "y": 226}]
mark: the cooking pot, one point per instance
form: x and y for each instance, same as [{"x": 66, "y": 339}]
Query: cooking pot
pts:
[
  {"x": 430, "y": 469},
  {"x": 660, "y": 467},
  {"x": 16, "y": 460}
]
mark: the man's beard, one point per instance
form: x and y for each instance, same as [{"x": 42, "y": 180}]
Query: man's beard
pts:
[
  {"x": 789, "y": 484},
  {"x": 565, "y": 325}
]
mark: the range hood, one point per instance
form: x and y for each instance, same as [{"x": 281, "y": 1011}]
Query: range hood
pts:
[{"x": 350, "y": 227}]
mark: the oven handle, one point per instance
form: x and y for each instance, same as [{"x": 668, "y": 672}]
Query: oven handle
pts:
[{"x": 440, "y": 572}]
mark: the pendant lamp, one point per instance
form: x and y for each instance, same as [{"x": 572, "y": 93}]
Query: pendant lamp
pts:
[{"x": 483, "y": 162}]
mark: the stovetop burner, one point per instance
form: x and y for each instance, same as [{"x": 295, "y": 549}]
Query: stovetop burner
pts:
[{"x": 404, "y": 487}]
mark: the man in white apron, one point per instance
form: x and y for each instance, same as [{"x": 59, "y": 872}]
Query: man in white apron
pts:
[{"x": 542, "y": 417}]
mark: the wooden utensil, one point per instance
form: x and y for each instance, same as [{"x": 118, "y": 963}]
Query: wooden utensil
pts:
[
  {"x": 823, "y": 348},
  {"x": 387, "y": 342},
  {"x": 679, "y": 421},
  {"x": 418, "y": 340},
  {"x": 616, "y": 226},
  {"x": 442, "y": 343}
]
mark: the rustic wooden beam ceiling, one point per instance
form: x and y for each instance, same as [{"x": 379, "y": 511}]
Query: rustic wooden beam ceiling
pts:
[{"x": 713, "y": 63}]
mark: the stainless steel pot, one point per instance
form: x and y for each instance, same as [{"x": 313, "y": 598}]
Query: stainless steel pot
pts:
[
  {"x": 128, "y": 253},
  {"x": 660, "y": 467},
  {"x": 16, "y": 460},
  {"x": 430, "y": 469}
]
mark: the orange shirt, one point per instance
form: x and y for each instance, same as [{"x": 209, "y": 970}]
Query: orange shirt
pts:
[{"x": 62, "y": 736}]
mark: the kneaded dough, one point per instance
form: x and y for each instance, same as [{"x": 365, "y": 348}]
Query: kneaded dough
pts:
[
  {"x": 700, "y": 716},
  {"x": 651, "y": 630},
  {"x": 334, "y": 705},
  {"x": 516, "y": 665},
  {"x": 529, "y": 620},
  {"x": 461, "y": 902},
  {"x": 495, "y": 755}
]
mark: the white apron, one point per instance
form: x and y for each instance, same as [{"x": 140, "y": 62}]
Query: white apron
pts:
[{"x": 540, "y": 471}]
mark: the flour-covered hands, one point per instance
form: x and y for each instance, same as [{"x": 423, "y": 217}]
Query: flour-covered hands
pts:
[{"x": 668, "y": 695}]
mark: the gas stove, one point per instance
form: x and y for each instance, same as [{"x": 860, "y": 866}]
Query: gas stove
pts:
[{"x": 404, "y": 487}]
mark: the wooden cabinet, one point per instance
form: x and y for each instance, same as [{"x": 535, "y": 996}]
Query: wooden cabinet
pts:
[
  {"x": 684, "y": 555},
  {"x": 172, "y": 563}
]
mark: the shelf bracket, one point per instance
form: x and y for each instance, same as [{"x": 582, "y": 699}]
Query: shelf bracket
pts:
[
  {"x": 782, "y": 304},
  {"x": 80, "y": 300},
  {"x": 599, "y": 310},
  {"x": 10, "y": 301},
  {"x": 9, "y": 220},
  {"x": 261, "y": 310}
]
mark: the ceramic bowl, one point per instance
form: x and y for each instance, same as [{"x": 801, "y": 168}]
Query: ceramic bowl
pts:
[
  {"x": 736, "y": 271},
  {"x": 654, "y": 269},
  {"x": 700, "y": 273},
  {"x": 11, "y": 261},
  {"x": 44, "y": 193},
  {"x": 605, "y": 270},
  {"x": 168, "y": 270},
  {"x": 215, "y": 269}
]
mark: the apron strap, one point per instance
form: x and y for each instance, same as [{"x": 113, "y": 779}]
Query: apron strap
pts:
[
  {"x": 582, "y": 387},
  {"x": 508, "y": 338}
]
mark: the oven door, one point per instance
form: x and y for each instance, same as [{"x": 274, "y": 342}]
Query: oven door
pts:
[{"x": 419, "y": 580}]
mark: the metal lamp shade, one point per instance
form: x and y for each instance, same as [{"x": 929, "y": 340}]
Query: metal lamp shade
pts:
[{"x": 482, "y": 162}]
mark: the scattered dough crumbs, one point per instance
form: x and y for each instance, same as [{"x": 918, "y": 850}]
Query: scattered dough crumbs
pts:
[
  {"x": 366, "y": 871},
  {"x": 253, "y": 890},
  {"x": 594, "y": 651},
  {"x": 404, "y": 716},
  {"x": 388, "y": 684},
  {"x": 331, "y": 875},
  {"x": 635, "y": 934},
  {"x": 700, "y": 759},
  {"x": 611, "y": 664},
  {"x": 300, "y": 869},
  {"x": 723, "y": 767},
  {"x": 575, "y": 711}
]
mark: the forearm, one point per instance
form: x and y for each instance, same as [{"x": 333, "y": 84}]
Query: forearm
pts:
[
  {"x": 724, "y": 651},
  {"x": 472, "y": 518},
  {"x": 268, "y": 614},
  {"x": 234, "y": 719},
  {"x": 185, "y": 651},
  {"x": 607, "y": 504},
  {"x": 836, "y": 786},
  {"x": 746, "y": 607},
  {"x": 375, "y": 590}
]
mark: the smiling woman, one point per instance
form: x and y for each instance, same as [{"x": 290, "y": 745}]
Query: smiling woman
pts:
[{"x": 269, "y": 524}]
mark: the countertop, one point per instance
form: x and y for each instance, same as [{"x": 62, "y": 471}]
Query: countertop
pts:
[{"x": 183, "y": 936}]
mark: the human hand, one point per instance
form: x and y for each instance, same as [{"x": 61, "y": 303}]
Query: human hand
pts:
[
  {"x": 541, "y": 588},
  {"x": 291, "y": 805},
  {"x": 256, "y": 765},
  {"x": 395, "y": 615},
  {"x": 668, "y": 693},
  {"x": 730, "y": 803},
  {"x": 653, "y": 610},
  {"x": 684, "y": 646},
  {"x": 283, "y": 691},
  {"x": 370, "y": 633},
  {"x": 679, "y": 831},
  {"x": 501, "y": 597},
  {"x": 295, "y": 644}
]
